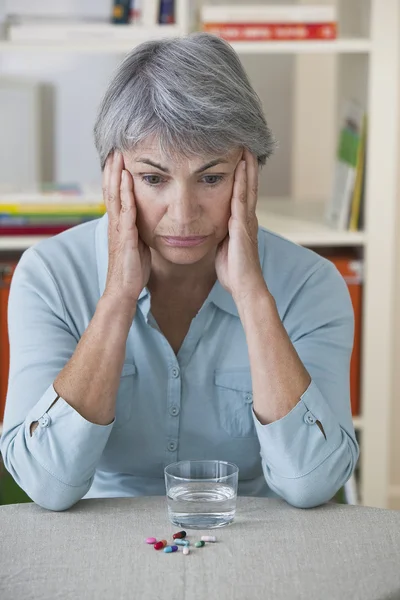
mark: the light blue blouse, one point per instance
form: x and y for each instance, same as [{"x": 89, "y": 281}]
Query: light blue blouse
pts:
[{"x": 196, "y": 405}]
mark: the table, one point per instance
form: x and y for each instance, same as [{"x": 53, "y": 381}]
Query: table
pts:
[{"x": 274, "y": 551}]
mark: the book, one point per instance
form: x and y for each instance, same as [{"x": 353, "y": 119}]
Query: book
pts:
[
  {"x": 339, "y": 205},
  {"x": 264, "y": 23},
  {"x": 166, "y": 12},
  {"x": 268, "y": 14},
  {"x": 260, "y": 32},
  {"x": 359, "y": 186},
  {"x": 121, "y": 11}
]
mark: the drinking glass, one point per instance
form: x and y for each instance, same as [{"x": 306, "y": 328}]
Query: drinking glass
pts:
[{"x": 201, "y": 494}]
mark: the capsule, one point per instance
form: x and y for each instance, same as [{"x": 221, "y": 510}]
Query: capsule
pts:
[
  {"x": 200, "y": 544},
  {"x": 179, "y": 535},
  {"x": 160, "y": 545},
  {"x": 186, "y": 550},
  {"x": 151, "y": 540},
  {"x": 171, "y": 549},
  {"x": 208, "y": 538},
  {"x": 179, "y": 542}
]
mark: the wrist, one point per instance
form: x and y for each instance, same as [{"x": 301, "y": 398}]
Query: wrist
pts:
[
  {"x": 117, "y": 308},
  {"x": 256, "y": 301}
]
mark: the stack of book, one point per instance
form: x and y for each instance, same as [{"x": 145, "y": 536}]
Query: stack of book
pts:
[
  {"x": 47, "y": 213},
  {"x": 269, "y": 23},
  {"x": 345, "y": 209},
  {"x": 46, "y": 21}
]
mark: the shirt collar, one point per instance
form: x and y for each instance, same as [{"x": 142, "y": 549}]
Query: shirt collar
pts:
[{"x": 218, "y": 295}]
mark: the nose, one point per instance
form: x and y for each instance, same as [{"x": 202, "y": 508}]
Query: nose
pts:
[{"x": 183, "y": 208}]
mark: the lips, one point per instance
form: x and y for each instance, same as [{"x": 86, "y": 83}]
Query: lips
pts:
[{"x": 184, "y": 241}]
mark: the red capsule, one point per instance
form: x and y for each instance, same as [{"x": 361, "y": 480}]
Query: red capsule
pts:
[
  {"x": 179, "y": 535},
  {"x": 160, "y": 545}
]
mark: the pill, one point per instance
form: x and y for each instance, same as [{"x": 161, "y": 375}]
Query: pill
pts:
[
  {"x": 171, "y": 549},
  {"x": 179, "y": 542},
  {"x": 208, "y": 538},
  {"x": 200, "y": 544},
  {"x": 160, "y": 545},
  {"x": 179, "y": 535},
  {"x": 151, "y": 540},
  {"x": 186, "y": 550}
]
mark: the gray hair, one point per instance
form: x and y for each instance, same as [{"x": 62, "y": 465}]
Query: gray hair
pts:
[{"x": 191, "y": 93}]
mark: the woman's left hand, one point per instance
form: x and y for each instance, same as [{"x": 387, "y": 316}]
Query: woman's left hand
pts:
[{"x": 237, "y": 262}]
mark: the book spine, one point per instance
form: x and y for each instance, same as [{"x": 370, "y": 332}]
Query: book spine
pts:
[
  {"x": 167, "y": 12},
  {"x": 278, "y": 31},
  {"x": 135, "y": 12},
  {"x": 121, "y": 10}
]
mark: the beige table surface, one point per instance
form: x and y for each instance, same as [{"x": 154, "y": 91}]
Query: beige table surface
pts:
[{"x": 96, "y": 550}]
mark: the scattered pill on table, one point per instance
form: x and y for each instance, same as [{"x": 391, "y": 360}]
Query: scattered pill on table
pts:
[
  {"x": 200, "y": 544},
  {"x": 160, "y": 545},
  {"x": 208, "y": 538},
  {"x": 151, "y": 540},
  {"x": 186, "y": 550},
  {"x": 179, "y": 535},
  {"x": 179, "y": 542},
  {"x": 171, "y": 549}
]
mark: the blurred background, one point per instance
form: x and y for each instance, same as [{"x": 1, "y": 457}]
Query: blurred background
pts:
[{"x": 327, "y": 73}]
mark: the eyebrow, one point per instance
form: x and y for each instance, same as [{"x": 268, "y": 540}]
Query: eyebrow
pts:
[{"x": 213, "y": 163}]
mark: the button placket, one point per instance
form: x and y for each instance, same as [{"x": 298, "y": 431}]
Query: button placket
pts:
[{"x": 173, "y": 408}]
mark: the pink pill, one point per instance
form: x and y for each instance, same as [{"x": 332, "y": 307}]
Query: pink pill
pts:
[{"x": 151, "y": 540}]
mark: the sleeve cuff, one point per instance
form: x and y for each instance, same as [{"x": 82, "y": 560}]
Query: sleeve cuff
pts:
[
  {"x": 294, "y": 445},
  {"x": 66, "y": 444}
]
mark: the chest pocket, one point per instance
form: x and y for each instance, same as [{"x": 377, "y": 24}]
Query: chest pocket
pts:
[
  {"x": 234, "y": 396},
  {"x": 124, "y": 403}
]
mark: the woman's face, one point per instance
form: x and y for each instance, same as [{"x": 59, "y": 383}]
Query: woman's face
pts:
[{"x": 183, "y": 205}]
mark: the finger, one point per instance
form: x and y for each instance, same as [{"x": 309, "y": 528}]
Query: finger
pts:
[
  {"x": 114, "y": 186},
  {"x": 128, "y": 204},
  {"x": 106, "y": 176},
  {"x": 239, "y": 194},
  {"x": 252, "y": 181}
]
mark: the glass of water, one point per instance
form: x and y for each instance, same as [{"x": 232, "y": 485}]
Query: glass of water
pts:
[{"x": 201, "y": 494}]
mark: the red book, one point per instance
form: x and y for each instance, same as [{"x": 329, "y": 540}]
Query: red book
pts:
[
  {"x": 34, "y": 230},
  {"x": 265, "y": 32}
]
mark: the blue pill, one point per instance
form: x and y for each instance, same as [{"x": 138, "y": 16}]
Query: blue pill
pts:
[
  {"x": 171, "y": 549},
  {"x": 182, "y": 542}
]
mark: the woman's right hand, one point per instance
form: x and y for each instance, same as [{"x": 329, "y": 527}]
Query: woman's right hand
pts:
[{"x": 129, "y": 258}]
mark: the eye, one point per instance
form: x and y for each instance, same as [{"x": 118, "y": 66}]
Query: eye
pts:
[
  {"x": 212, "y": 179},
  {"x": 152, "y": 179}
]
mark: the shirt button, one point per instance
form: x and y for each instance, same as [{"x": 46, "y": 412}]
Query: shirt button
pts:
[
  {"x": 175, "y": 372},
  {"x": 172, "y": 446},
  {"x": 309, "y": 418},
  {"x": 44, "y": 421},
  {"x": 248, "y": 397},
  {"x": 174, "y": 411}
]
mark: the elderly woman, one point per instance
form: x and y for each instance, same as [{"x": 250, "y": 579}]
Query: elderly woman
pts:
[{"x": 174, "y": 328}]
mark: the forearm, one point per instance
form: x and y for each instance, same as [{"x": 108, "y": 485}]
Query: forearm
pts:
[
  {"x": 90, "y": 380},
  {"x": 279, "y": 377}
]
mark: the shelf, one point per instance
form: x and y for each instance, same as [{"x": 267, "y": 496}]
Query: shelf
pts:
[
  {"x": 340, "y": 46},
  {"x": 100, "y": 46},
  {"x": 102, "y": 39},
  {"x": 303, "y": 223}
]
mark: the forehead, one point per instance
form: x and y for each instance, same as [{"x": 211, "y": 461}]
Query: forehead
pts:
[{"x": 150, "y": 149}]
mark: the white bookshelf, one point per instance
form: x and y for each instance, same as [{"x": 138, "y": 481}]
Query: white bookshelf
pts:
[
  {"x": 303, "y": 222},
  {"x": 122, "y": 46}
]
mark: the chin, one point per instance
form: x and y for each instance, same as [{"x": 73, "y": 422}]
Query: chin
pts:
[{"x": 185, "y": 255}]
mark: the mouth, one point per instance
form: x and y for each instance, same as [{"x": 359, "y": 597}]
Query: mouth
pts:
[{"x": 184, "y": 242}]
